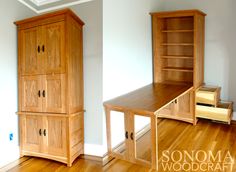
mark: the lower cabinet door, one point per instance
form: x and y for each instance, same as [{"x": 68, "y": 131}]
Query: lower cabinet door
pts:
[
  {"x": 55, "y": 132},
  {"x": 184, "y": 107},
  {"x": 141, "y": 139},
  {"x": 119, "y": 132},
  {"x": 31, "y": 133},
  {"x": 167, "y": 111}
]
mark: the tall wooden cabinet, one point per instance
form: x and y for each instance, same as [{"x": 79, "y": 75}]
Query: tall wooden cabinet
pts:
[{"x": 50, "y": 79}]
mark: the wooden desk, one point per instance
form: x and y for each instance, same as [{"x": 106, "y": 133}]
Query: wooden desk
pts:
[{"x": 144, "y": 102}]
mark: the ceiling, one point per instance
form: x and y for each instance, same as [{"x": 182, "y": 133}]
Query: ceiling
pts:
[
  {"x": 42, "y": 6},
  {"x": 43, "y": 2}
]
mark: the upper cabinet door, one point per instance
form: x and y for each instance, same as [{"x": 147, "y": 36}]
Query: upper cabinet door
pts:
[
  {"x": 54, "y": 98},
  {"x": 54, "y": 47},
  {"x": 29, "y": 51},
  {"x": 31, "y": 94}
]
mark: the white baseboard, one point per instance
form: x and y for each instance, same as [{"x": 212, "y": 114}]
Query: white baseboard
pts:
[
  {"x": 9, "y": 154},
  {"x": 95, "y": 150}
]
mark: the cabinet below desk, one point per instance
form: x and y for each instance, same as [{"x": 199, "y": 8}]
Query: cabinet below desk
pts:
[{"x": 181, "y": 108}]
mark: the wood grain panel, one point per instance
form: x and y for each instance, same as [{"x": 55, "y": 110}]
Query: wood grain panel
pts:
[
  {"x": 77, "y": 122},
  {"x": 31, "y": 93},
  {"x": 54, "y": 100},
  {"x": 30, "y": 57},
  {"x": 56, "y": 136},
  {"x": 32, "y": 140},
  {"x": 76, "y": 134},
  {"x": 54, "y": 47},
  {"x": 199, "y": 41},
  {"x": 167, "y": 110},
  {"x": 179, "y": 23},
  {"x": 157, "y": 39},
  {"x": 75, "y": 67},
  {"x": 185, "y": 106}
]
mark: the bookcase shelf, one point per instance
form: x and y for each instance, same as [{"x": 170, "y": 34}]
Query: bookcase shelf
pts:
[
  {"x": 178, "y": 69},
  {"x": 176, "y": 31},
  {"x": 177, "y": 57},
  {"x": 177, "y": 44}
]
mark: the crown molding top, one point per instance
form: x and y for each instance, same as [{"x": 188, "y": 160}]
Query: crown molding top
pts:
[
  {"x": 42, "y": 6},
  {"x": 43, "y": 2}
]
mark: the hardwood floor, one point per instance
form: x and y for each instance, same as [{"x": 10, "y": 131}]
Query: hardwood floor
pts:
[{"x": 175, "y": 137}]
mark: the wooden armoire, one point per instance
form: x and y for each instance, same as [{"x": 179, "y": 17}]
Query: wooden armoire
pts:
[{"x": 50, "y": 86}]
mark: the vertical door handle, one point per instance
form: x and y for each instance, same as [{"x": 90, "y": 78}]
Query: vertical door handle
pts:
[
  {"x": 38, "y": 49},
  {"x": 126, "y": 135},
  {"x": 132, "y": 136},
  {"x": 39, "y": 94},
  {"x": 44, "y": 132},
  {"x": 43, "y": 48},
  {"x": 44, "y": 93},
  {"x": 175, "y": 101},
  {"x": 40, "y": 132}
]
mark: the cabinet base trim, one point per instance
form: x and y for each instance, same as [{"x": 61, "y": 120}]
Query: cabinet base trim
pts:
[{"x": 41, "y": 155}]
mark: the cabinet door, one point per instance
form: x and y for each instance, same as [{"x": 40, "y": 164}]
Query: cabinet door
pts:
[
  {"x": 29, "y": 56},
  {"x": 31, "y": 100},
  {"x": 141, "y": 139},
  {"x": 55, "y": 131},
  {"x": 54, "y": 93},
  {"x": 53, "y": 47},
  {"x": 185, "y": 106},
  {"x": 167, "y": 111},
  {"x": 118, "y": 134},
  {"x": 31, "y": 133}
]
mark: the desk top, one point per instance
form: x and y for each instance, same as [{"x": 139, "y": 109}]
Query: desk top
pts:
[{"x": 148, "y": 99}]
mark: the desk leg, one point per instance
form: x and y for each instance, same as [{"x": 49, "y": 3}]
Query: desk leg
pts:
[
  {"x": 154, "y": 142},
  {"x": 108, "y": 125}
]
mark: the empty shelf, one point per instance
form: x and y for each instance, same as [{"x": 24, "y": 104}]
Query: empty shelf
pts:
[
  {"x": 178, "y": 44},
  {"x": 177, "y": 57},
  {"x": 173, "y": 31},
  {"x": 178, "y": 69}
]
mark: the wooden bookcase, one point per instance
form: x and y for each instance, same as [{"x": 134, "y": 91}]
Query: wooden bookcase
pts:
[
  {"x": 50, "y": 79},
  {"x": 178, "y": 57},
  {"x": 178, "y": 63},
  {"x": 178, "y": 47}
]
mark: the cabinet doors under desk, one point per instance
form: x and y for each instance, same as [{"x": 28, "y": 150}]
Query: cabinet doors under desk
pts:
[
  {"x": 182, "y": 108},
  {"x": 130, "y": 137}
]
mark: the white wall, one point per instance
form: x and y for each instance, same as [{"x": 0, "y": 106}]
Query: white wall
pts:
[
  {"x": 220, "y": 41},
  {"x": 127, "y": 53},
  {"x": 91, "y": 14},
  {"x": 127, "y": 46},
  {"x": 10, "y": 11}
]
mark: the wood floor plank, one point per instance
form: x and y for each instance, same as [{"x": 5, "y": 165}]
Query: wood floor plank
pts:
[{"x": 172, "y": 136}]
